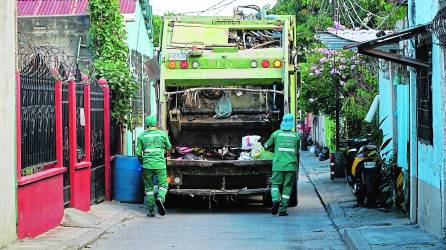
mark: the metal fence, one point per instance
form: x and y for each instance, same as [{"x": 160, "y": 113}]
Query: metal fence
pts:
[
  {"x": 97, "y": 143},
  {"x": 38, "y": 122}
]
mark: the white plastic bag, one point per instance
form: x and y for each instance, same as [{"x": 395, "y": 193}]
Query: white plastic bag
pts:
[
  {"x": 256, "y": 150},
  {"x": 245, "y": 156},
  {"x": 249, "y": 141}
]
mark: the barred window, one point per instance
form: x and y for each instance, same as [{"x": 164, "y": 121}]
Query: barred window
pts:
[{"x": 424, "y": 95}]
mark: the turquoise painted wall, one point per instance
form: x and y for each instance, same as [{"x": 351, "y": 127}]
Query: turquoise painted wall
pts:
[
  {"x": 139, "y": 40},
  {"x": 385, "y": 88},
  {"x": 431, "y": 157},
  {"x": 427, "y": 161},
  {"x": 402, "y": 117}
]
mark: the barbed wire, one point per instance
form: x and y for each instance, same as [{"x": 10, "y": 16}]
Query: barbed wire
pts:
[{"x": 44, "y": 60}]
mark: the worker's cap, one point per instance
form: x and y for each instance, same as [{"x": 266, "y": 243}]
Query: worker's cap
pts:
[
  {"x": 287, "y": 122},
  {"x": 150, "y": 121}
]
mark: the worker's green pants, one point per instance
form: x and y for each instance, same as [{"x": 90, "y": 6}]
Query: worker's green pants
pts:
[
  {"x": 161, "y": 177},
  {"x": 286, "y": 180}
]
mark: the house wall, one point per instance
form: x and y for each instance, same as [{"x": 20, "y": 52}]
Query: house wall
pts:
[
  {"x": 428, "y": 159},
  {"x": 63, "y": 32},
  {"x": 386, "y": 113},
  {"x": 138, "y": 40},
  {"x": 7, "y": 124},
  {"x": 402, "y": 115}
]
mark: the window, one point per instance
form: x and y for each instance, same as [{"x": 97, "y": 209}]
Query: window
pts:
[{"x": 424, "y": 94}]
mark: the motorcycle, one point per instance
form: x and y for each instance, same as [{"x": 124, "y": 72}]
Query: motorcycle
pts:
[{"x": 365, "y": 175}]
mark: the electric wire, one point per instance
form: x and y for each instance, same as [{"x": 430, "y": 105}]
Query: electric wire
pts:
[
  {"x": 210, "y": 8},
  {"x": 367, "y": 11},
  {"x": 358, "y": 17}
]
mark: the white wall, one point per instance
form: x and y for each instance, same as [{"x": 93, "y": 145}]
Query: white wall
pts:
[{"x": 7, "y": 123}]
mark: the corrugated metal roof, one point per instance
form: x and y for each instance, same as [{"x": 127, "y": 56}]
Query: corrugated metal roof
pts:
[
  {"x": 339, "y": 39},
  {"x": 63, "y": 7}
]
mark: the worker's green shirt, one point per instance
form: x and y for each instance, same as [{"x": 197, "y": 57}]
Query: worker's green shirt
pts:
[
  {"x": 150, "y": 148},
  {"x": 286, "y": 150}
]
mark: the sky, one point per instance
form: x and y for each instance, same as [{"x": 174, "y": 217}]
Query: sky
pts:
[{"x": 181, "y": 6}]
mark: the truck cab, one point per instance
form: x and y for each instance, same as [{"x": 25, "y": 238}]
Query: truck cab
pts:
[{"x": 224, "y": 80}]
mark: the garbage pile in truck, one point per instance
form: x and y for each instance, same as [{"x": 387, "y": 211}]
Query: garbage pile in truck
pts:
[
  {"x": 251, "y": 149},
  {"x": 229, "y": 110}
]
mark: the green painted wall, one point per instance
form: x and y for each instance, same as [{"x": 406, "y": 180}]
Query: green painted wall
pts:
[
  {"x": 330, "y": 130},
  {"x": 139, "y": 40}
]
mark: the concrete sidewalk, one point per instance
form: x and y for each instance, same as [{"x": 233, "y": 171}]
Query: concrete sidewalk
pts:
[
  {"x": 79, "y": 229},
  {"x": 363, "y": 228}
]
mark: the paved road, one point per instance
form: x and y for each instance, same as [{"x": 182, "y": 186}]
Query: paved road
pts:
[{"x": 232, "y": 226}]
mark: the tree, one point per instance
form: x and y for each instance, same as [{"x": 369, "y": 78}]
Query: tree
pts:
[{"x": 111, "y": 56}]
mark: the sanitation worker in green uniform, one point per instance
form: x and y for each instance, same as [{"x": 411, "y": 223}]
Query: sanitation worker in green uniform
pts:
[
  {"x": 151, "y": 146},
  {"x": 285, "y": 162}
]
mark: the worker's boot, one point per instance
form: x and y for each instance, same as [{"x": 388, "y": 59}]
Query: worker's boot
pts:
[
  {"x": 275, "y": 207},
  {"x": 150, "y": 213},
  {"x": 160, "y": 205},
  {"x": 282, "y": 211}
]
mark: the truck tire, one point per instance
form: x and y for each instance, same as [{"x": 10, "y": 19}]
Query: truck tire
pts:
[{"x": 267, "y": 200}]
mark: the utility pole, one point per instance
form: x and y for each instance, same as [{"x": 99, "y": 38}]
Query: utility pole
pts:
[{"x": 336, "y": 82}]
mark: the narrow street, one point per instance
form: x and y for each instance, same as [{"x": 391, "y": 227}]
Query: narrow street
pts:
[{"x": 229, "y": 227}]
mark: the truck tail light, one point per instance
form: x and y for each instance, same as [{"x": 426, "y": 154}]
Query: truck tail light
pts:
[
  {"x": 265, "y": 63},
  {"x": 254, "y": 64},
  {"x": 169, "y": 180},
  {"x": 172, "y": 65},
  {"x": 195, "y": 65},
  {"x": 277, "y": 63},
  {"x": 184, "y": 64}
]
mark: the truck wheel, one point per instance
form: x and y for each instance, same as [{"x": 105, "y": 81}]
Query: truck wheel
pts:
[
  {"x": 267, "y": 200},
  {"x": 293, "y": 199}
]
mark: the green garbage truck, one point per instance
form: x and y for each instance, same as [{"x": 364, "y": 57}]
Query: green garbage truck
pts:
[{"x": 225, "y": 83}]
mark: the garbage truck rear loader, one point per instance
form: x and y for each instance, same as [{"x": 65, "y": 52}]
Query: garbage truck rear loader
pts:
[{"x": 225, "y": 83}]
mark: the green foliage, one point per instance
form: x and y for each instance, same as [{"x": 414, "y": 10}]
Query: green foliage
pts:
[
  {"x": 326, "y": 71},
  {"x": 377, "y": 14},
  {"x": 111, "y": 55},
  {"x": 157, "y": 22},
  {"x": 311, "y": 17}
]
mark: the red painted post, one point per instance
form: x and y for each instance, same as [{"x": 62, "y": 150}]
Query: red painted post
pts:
[
  {"x": 87, "y": 110},
  {"x": 72, "y": 139},
  {"x": 58, "y": 110},
  {"x": 106, "y": 90},
  {"x": 80, "y": 173},
  {"x": 18, "y": 108}
]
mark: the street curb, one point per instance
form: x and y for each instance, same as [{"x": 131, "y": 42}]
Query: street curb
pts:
[
  {"x": 354, "y": 239},
  {"x": 335, "y": 213},
  {"x": 92, "y": 235}
]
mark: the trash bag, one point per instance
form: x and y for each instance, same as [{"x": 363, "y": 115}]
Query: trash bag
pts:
[
  {"x": 245, "y": 156},
  {"x": 256, "y": 150},
  {"x": 223, "y": 109},
  {"x": 249, "y": 141},
  {"x": 264, "y": 155}
]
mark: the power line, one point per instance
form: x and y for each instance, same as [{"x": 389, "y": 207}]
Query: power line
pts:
[
  {"x": 395, "y": 8},
  {"x": 357, "y": 16},
  {"x": 362, "y": 8},
  {"x": 212, "y": 7},
  {"x": 223, "y": 7}
]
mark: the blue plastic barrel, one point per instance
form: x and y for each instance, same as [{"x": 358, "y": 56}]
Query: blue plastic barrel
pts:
[{"x": 127, "y": 184}]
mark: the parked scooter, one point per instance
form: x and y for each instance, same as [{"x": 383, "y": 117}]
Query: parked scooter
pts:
[
  {"x": 351, "y": 149},
  {"x": 365, "y": 173}
]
